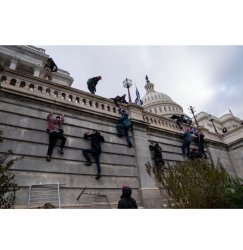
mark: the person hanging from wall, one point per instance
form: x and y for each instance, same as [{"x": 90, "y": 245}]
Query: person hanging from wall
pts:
[
  {"x": 121, "y": 99},
  {"x": 187, "y": 137},
  {"x": 194, "y": 154},
  {"x": 158, "y": 159},
  {"x": 55, "y": 132},
  {"x": 200, "y": 140},
  {"x": 126, "y": 200},
  {"x": 50, "y": 67},
  {"x": 124, "y": 123},
  {"x": 92, "y": 82},
  {"x": 95, "y": 150}
]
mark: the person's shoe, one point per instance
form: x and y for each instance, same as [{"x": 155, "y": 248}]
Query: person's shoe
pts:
[
  {"x": 98, "y": 177},
  {"x": 88, "y": 163},
  {"x": 130, "y": 145},
  {"x": 48, "y": 158},
  {"x": 60, "y": 150}
]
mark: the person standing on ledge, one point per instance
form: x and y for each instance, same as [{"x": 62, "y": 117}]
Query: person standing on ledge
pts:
[
  {"x": 92, "y": 82},
  {"x": 50, "y": 67},
  {"x": 126, "y": 200},
  {"x": 95, "y": 150}
]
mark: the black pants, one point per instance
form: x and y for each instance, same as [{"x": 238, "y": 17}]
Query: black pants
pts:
[
  {"x": 201, "y": 150},
  {"x": 53, "y": 136},
  {"x": 96, "y": 155},
  {"x": 92, "y": 89}
]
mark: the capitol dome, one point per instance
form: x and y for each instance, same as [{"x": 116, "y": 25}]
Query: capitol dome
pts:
[{"x": 159, "y": 103}]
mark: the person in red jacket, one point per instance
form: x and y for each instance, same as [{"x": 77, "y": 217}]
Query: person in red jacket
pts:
[{"x": 55, "y": 132}]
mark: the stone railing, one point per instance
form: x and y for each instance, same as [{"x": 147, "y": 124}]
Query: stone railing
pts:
[
  {"x": 40, "y": 88},
  {"x": 160, "y": 122},
  {"x": 55, "y": 92},
  {"x": 40, "y": 50}
]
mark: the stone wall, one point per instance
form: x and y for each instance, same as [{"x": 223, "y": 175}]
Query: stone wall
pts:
[{"x": 23, "y": 112}]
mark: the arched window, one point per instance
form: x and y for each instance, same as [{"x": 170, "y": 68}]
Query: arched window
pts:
[
  {"x": 77, "y": 100},
  {"x": 40, "y": 88},
  {"x": 22, "y": 84},
  {"x": 48, "y": 91},
  {"x": 90, "y": 103},
  {"x": 84, "y": 101},
  {"x": 13, "y": 82},
  {"x": 63, "y": 96},
  {"x": 31, "y": 87},
  {"x": 70, "y": 98},
  {"x": 3, "y": 78}
]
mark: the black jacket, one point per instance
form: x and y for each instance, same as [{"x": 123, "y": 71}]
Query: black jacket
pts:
[
  {"x": 96, "y": 139},
  {"x": 126, "y": 200},
  {"x": 51, "y": 64},
  {"x": 93, "y": 81}
]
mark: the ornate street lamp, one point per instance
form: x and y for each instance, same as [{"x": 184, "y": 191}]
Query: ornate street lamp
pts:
[
  {"x": 192, "y": 109},
  {"x": 127, "y": 83},
  {"x": 210, "y": 118}
]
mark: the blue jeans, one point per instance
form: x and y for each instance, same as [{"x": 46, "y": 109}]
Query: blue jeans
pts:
[
  {"x": 96, "y": 155},
  {"x": 119, "y": 128},
  {"x": 186, "y": 145}
]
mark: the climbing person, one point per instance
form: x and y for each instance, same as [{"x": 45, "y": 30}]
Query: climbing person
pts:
[
  {"x": 50, "y": 67},
  {"x": 124, "y": 124},
  {"x": 200, "y": 140},
  {"x": 95, "y": 150},
  {"x": 92, "y": 82},
  {"x": 55, "y": 132},
  {"x": 126, "y": 200},
  {"x": 158, "y": 159},
  {"x": 194, "y": 154},
  {"x": 121, "y": 99},
  {"x": 187, "y": 137}
]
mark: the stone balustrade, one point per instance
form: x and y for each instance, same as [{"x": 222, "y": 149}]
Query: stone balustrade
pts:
[
  {"x": 77, "y": 98},
  {"x": 58, "y": 93}
]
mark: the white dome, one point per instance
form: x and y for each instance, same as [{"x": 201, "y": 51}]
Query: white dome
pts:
[{"x": 159, "y": 103}]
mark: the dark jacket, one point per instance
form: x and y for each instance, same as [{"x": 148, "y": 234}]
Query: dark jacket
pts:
[
  {"x": 96, "y": 139},
  {"x": 51, "y": 64},
  {"x": 125, "y": 120},
  {"x": 157, "y": 154},
  {"x": 93, "y": 81},
  {"x": 126, "y": 200}
]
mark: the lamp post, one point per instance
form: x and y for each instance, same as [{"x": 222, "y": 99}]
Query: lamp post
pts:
[
  {"x": 192, "y": 109},
  {"x": 127, "y": 83},
  {"x": 210, "y": 118}
]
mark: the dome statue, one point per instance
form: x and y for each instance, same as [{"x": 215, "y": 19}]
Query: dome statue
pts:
[{"x": 159, "y": 103}]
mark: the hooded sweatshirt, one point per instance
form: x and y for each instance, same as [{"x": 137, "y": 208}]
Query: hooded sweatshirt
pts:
[{"x": 126, "y": 200}]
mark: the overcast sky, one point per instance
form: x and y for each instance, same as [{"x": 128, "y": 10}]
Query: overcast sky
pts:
[{"x": 206, "y": 77}]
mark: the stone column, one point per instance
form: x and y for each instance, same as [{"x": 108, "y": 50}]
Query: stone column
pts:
[
  {"x": 37, "y": 71},
  {"x": 13, "y": 63},
  {"x": 149, "y": 193}
]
